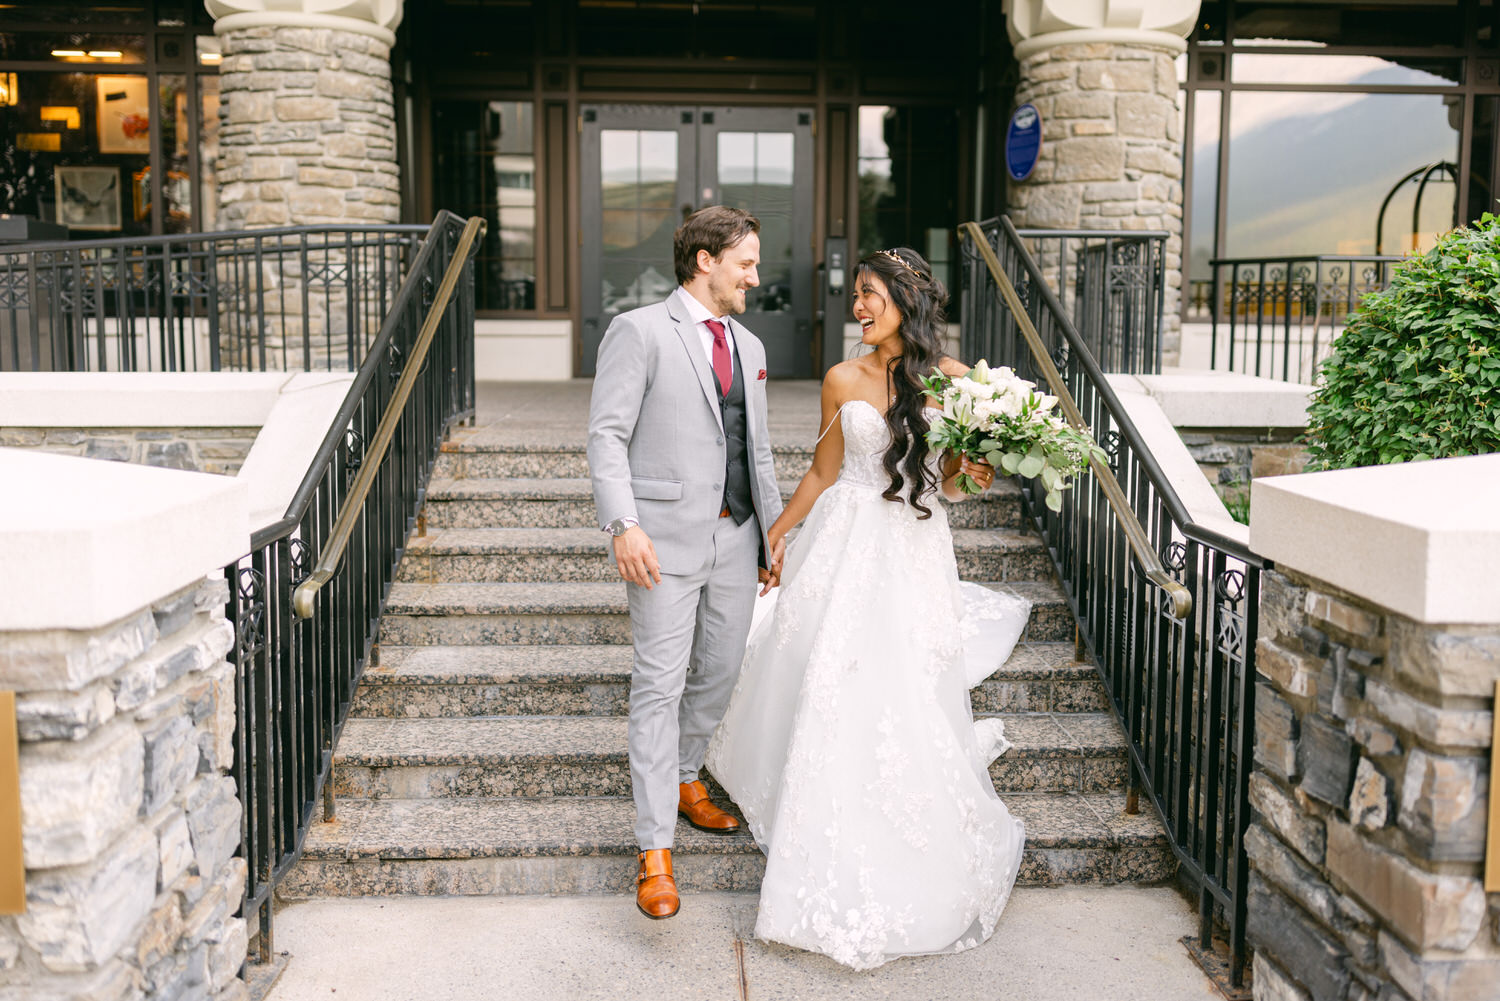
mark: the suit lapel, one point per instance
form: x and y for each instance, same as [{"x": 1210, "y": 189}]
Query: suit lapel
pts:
[{"x": 687, "y": 332}]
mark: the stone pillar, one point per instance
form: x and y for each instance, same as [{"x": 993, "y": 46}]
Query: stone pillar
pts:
[
  {"x": 1373, "y": 716},
  {"x": 1102, "y": 77},
  {"x": 115, "y": 642},
  {"x": 309, "y": 123},
  {"x": 308, "y": 137}
]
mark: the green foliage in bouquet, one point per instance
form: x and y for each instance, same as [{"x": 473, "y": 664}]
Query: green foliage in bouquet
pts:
[
  {"x": 1416, "y": 374},
  {"x": 993, "y": 415}
]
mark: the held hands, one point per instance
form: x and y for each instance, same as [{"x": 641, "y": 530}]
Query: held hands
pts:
[
  {"x": 772, "y": 577},
  {"x": 636, "y": 557}
]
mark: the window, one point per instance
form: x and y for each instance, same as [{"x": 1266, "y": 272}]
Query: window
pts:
[
  {"x": 908, "y": 171},
  {"x": 486, "y": 166}
]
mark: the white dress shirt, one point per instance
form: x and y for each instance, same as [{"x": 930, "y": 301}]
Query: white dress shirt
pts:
[{"x": 698, "y": 312}]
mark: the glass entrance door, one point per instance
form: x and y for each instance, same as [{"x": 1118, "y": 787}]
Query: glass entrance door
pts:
[{"x": 646, "y": 168}]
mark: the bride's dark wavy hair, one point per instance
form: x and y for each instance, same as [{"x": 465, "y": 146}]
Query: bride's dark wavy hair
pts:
[{"x": 919, "y": 297}]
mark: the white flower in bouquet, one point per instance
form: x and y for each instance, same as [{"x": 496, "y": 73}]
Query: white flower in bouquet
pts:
[{"x": 996, "y": 416}]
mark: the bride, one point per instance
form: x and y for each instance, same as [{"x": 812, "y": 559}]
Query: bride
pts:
[{"x": 849, "y": 741}]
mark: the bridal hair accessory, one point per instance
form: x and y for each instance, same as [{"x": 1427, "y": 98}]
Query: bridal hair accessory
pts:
[{"x": 902, "y": 261}]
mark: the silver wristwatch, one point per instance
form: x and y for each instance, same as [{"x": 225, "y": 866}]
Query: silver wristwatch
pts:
[{"x": 620, "y": 526}]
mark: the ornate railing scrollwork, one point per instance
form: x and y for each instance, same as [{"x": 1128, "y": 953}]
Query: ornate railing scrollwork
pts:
[{"x": 1166, "y": 607}]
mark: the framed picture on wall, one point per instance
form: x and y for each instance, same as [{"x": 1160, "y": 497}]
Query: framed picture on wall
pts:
[
  {"x": 124, "y": 111},
  {"x": 88, "y": 197}
]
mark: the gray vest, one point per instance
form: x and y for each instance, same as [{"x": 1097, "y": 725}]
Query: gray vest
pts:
[{"x": 736, "y": 452}]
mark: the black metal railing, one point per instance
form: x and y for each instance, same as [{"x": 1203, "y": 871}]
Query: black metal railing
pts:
[
  {"x": 1113, "y": 285},
  {"x": 1278, "y": 317},
  {"x": 1182, "y": 684},
  {"x": 297, "y": 298},
  {"x": 296, "y": 677}
]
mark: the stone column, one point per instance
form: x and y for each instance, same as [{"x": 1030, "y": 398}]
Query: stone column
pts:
[
  {"x": 308, "y": 137},
  {"x": 309, "y": 123},
  {"x": 1103, "y": 79},
  {"x": 1373, "y": 715}
]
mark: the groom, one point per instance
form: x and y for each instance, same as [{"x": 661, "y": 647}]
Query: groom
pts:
[{"x": 681, "y": 465}]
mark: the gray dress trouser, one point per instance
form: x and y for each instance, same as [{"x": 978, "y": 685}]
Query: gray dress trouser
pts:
[{"x": 689, "y": 635}]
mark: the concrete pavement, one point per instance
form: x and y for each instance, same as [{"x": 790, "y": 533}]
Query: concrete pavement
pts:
[{"x": 1081, "y": 943}]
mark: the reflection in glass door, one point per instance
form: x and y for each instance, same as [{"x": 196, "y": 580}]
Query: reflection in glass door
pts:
[{"x": 645, "y": 168}]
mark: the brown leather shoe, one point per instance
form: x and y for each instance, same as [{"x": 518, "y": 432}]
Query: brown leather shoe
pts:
[
  {"x": 655, "y": 889},
  {"x": 693, "y": 803}
]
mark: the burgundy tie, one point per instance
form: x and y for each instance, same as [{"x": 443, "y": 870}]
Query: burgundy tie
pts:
[{"x": 722, "y": 367}]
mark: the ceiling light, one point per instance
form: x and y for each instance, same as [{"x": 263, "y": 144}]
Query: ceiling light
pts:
[
  {"x": 105, "y": 54},
  {"x": 210, "y": 57},
  {"x": 69, "y": 53}
]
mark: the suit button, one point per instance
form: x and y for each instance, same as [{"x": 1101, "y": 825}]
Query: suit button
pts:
[
  {"x": 718, "y": 486},
  {"x": 719, "y": 440}
]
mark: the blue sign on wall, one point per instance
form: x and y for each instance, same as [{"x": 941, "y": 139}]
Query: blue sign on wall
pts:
[{"x": 1023, "y": 142}]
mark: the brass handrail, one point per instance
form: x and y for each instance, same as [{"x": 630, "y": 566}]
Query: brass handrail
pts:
[
  {"x": 1135, "y": 533},
  {"x": 343, "y": 527}
]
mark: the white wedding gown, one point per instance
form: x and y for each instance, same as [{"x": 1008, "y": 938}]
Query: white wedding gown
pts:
[{"x": 849, "y": 742}]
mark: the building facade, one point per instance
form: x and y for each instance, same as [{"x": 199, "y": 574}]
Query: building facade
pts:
[{"x": 583, "y": 130}]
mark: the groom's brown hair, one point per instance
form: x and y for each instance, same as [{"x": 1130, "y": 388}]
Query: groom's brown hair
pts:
[{"x": 714, "y": 229}]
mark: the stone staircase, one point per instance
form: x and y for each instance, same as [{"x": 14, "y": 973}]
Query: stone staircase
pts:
[{"x": 486, "y": 750}]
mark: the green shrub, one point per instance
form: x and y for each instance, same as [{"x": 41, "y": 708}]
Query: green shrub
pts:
[{"x": 1416, "y": 374}]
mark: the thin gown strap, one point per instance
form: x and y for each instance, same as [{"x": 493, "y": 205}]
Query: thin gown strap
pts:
[{"x": 831, "y": 422}]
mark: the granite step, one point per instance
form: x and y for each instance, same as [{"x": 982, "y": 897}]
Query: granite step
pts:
[
  {"x": 586, "y": 756},
  {"x": 587, "y": 845},
  {"x": 470, "y": 459},
  {"x": 457, "y": 681},
  {"x": 591, "y": 613},
  {"x": 487, "y": 502},
  {"x": 478, "y": 555}
]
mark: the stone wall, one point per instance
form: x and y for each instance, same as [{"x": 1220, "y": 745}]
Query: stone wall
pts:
[
  {"x": 1370, "y": 795},
  {"x": 129, "y": 817},
  {"x": 1111, "y": 155},
  {"x": 204, "y": 450},
  {"x": 1231, "y": 457}
]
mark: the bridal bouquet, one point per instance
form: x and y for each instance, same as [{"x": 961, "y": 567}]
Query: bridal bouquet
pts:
[{"x": 994, "y": 415}]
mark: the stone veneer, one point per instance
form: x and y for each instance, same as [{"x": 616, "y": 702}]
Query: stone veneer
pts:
[
  {"x": 1370, "y": 794},
  {"x": 129, "y": 817},
  {"x": 1111, "y": 156},
  {"x": 1231, "y": 457},
  {"x": 309, "y": 129},
  {"x": 203, "y": 450},
  {"x": 308, "y": 137}
]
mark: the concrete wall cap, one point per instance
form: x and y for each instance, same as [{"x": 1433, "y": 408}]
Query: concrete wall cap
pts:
[
  {"x": 1418, "y": 538},
  {"x": 1193, "y": 489},
  {"x": 139, "y": 399},
  {"x": 288, "y": 441},
  {"x": 84, "y": 543},
  {"x": 1227, "y": 400}
]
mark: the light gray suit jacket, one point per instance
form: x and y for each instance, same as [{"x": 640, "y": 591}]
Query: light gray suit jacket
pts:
[{"x": 656, "y": 435}]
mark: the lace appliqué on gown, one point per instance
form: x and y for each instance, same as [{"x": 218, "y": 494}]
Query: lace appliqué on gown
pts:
[{"x": 850, "y": 743}]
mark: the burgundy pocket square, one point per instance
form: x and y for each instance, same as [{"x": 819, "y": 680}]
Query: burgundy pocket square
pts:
[{"x": 761, "y": 377}]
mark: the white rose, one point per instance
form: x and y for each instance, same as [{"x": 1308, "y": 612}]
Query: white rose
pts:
[
  {"x": 974, "y": 390},
  {"x": 1011, "y": 404}
]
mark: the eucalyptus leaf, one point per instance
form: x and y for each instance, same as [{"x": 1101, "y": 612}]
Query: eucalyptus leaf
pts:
[
  {"x": 1031, "y": 466},
  {"x": 1010, "y": 462},
  {"x": 1054, "y": 500}
]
